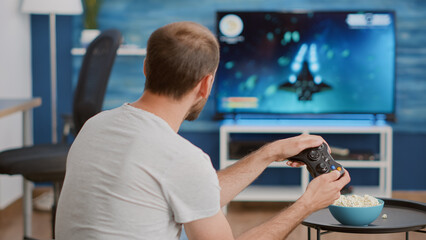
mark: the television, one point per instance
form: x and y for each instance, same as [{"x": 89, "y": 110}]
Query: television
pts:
[{"x": 334, "y": 64}]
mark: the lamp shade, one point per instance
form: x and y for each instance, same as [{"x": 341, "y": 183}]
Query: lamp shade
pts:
[{"x": 59, "y": 7}]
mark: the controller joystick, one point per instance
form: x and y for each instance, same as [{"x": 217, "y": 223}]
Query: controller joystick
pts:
[
  {"x": 314, "y": 155},
  {"x": 318, "y": 161},
  {"x": 321, "y": 168}
]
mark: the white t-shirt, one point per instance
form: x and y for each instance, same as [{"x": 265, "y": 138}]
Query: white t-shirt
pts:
[{"x": 130, "y": 176}]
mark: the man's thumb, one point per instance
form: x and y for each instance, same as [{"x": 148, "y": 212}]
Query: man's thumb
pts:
[{"x": 333, "y": 175}]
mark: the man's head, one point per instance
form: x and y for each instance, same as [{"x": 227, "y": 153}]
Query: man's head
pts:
[{"x": 178, "y": 56}]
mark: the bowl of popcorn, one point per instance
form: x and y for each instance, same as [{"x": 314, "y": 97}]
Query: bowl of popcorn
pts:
[{"x": 356, "y": 210}]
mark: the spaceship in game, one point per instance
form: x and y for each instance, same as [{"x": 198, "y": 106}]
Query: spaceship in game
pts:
[{"x": 305, "y": 84}]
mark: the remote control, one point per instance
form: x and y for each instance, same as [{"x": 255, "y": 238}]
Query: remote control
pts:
[{"x": 318, "y": 160}]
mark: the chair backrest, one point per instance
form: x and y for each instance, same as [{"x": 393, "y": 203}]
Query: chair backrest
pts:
[{"x": 93, "y": 78}]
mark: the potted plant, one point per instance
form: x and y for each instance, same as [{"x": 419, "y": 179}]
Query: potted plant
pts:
[{"x": 90, "y": 31}]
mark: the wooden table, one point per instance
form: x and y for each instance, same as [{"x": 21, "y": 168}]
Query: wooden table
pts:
[{"x": 10, "y": 106}]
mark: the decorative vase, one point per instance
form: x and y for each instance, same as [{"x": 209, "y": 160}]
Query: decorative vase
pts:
[{"x": 88, "y": 35}]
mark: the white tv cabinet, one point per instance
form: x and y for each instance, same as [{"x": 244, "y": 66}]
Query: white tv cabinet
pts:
[{"x": 291, "y": 193}]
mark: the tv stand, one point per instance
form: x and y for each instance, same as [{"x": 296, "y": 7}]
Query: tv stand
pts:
[{"x": 254, "y": 129}]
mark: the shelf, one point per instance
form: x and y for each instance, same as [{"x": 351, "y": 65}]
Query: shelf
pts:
[
  {"x": 292, "y": 193},
  {"x": 374, "y": 191},
  {"x": 122, "y": 51},
  {"x": 362, "y": 164},
  {"x": 274, "y": 164},
  {"x": 305, "y": 129},
  {"x": 283, "y": 122},
  {"x": 260, "y": 193},
  {"x": 345, "y": 163}
]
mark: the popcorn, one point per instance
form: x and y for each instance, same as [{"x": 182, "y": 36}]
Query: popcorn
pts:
[{"x": 356, "y": 201}]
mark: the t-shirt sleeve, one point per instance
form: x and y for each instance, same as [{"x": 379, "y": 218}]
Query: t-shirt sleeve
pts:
[{"x": 193, "y": 190}]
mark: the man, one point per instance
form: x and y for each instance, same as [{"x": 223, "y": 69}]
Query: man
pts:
[{"x": 131, "y": 176}]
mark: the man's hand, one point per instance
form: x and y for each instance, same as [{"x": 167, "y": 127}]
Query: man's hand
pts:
[
  {"x": 282, "y": 149},
  {"x": 324, "y": 190}
]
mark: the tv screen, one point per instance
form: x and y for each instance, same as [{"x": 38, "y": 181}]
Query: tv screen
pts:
[{"x": 306, "y": 63}]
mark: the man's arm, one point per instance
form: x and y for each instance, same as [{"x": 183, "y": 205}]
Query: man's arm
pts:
[
  {"x": 238, "y": 176},
  {"x": 321, "y": 192}
]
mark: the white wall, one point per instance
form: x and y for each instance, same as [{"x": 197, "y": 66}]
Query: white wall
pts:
[{"x": 15, "y": 82}]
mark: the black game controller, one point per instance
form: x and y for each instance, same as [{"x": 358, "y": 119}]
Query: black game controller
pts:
[{"x": 318, "y": 160}]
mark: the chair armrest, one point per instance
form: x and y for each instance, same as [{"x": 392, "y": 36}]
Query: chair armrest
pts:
[{"x": 68, "y": 126}]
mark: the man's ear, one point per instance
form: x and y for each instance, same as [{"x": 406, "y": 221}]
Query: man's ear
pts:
[{"x": 206, "y": 84}]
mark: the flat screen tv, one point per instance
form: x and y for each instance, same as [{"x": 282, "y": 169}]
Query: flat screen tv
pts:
[{"x": 334, "y": 64}]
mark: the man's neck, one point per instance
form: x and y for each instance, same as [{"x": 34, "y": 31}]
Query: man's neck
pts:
[{"x": 170, "y": 110}]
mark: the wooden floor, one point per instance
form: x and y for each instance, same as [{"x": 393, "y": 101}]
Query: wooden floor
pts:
[{"x": 241, "y": 216}]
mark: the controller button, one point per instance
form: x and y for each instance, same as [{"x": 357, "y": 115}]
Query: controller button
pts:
[
  {"x": 322, "y": 168},
  {"x": 339, "y": 169},
  {"x": 314, "y": 155},
  {"x": 333, "y": 167}
]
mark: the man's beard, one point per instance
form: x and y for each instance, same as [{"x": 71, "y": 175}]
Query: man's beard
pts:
[{"x": 195, "y": 110}]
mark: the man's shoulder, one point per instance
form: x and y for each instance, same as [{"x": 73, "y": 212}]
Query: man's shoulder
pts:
[
  {"x": 105, "y": 115},
  {"x": 186, "y": 148}
]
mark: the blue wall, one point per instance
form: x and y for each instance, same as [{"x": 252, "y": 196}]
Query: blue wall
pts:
[
  {"x": 137, "y": 19},
  {"x": 41, "y": 72}
]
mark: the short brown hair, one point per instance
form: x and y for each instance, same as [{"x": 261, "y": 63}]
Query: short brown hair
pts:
[{"x": 178, "y": 56}]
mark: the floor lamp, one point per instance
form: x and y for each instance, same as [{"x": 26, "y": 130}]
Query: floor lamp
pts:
[{"x": 53, "y": 8}]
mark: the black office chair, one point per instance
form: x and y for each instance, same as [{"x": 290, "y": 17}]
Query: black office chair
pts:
[{"x": 46, "y": 163}]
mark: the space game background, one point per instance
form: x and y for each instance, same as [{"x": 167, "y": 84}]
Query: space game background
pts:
[{"x": 278, "y": 60}]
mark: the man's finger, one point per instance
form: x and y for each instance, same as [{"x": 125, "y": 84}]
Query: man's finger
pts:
[
  {"x": 295, "y": 164},
  {"x": 312, "y": 141},
  {"x": 345, "y": 179},
  {"x": 332, "y": 176}
]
